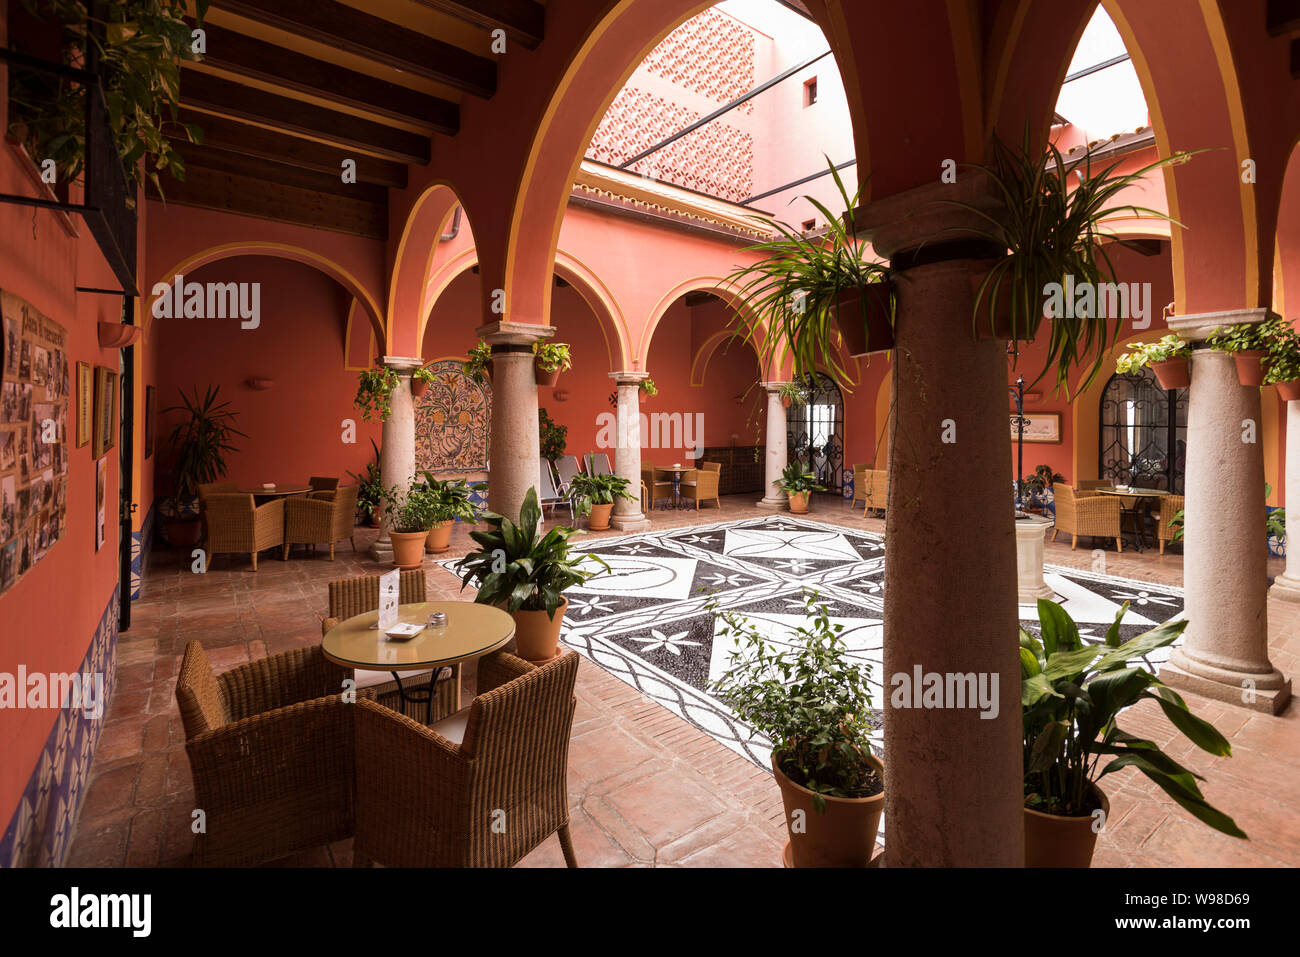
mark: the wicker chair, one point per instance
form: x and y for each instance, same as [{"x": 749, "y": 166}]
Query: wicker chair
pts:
[
  {"x": 875, "y": 490},
  {"x": 270, "y": 746},
  {"x": 206, "y": 489},
  {"x": 860, "y": 483},
  {"x": 1169, "y": 504},
  {"x": 308, "y": 521},
  {"x": 659, "y": 482},
  {"x": 322, "y": 483},
  {"x": 704, "y": 484},
  {"x": 481, "y": 789},
  {"x": 236, "y": 524},
  {"x": 1093, "y": 515},
  {"x": 355, "y": 596},
  {"x": 1086, "y": 487}
]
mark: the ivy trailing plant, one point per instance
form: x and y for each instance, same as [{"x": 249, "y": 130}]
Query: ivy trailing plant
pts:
[
  {"x": 1050, "y": 217},
  {"x": 1283, "y": 356},
  {"x": 552, "y": 356},
  {"x": 1251, "y": 336},
  {"x": 647, "y": 385},
  {"x": 476, "y": 365},
  {"x": 424, "y": 374},
  {"x": 142, "y": 46},
  {"x": 1142, "y": 354},
  {"x": 551, "y": 436},
  {"x": 374, "y": 393}
]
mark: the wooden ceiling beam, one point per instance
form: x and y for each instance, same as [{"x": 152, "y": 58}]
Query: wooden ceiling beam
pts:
[
  {"x": 226, "y": 161},
  {"x": 381, "y": 41},
  {"x": 245, "y": 56},
  {"x": 216, "y": 95},
  {"x": 522, "y": 20}
]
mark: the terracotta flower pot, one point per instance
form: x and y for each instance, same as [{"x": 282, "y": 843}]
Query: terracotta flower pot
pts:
[
  {"x": 599, "y": 519},
  {"x": 1289, "y": 391},
  {"x": 537, "y": 636},
  {"x": 1001, "y": 327},
  {"x": 862, "y": 315},
  {"x": 439, "y": 539},
  {"x": 798, "y": 502},
  {"x": 408, "y": 548},
  {"x": 183, "y": 531},
  {"x": 1055, "y": 841},
  {"x": 843, "y": 836},
  {"x": 1174, "y": 373},
  {"x": 546, "y": 379},
  {"x": 419, "y": 387},
  {"x": 1250, "y": 366}
]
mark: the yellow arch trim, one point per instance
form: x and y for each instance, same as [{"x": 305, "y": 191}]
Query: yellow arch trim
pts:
[
  {"x": 433, "y": 187},
  {"x": 714, "y": 284}
]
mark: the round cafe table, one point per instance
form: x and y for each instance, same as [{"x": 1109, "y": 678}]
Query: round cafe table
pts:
[
  {"x": 1130, "y": 499},
  {"x": 472, "y": 630},
  {"x": 276, "y": 491}
]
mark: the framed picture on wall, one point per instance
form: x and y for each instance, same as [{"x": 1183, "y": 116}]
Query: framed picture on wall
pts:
[
  {"x": 85, "y": 403},
  {"x": 105, "y": 410},
  {"x": 101, "y": 504},
  {"x": 150, "y": 398},
  {"x": 1039, "y": 427}
]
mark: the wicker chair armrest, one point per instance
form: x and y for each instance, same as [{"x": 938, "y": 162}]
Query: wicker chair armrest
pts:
[
  {"x": 277, "y": 681},
  {"x": 326, "y": 624},
  {"x": 1098, "y": 505},
  {"x": 496, "y": 669},
  {"x": 319, "y": 509}
]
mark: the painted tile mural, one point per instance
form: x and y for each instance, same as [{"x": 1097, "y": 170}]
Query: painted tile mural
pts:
[
  {"x": 452, "y": 421},
  {"x": 40, "y": 830}
]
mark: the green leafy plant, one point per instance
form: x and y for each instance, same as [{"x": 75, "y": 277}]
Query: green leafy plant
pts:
[
  {"x": 795, "y": 287},
  {"x": 1283, "y": 355},
  {"x": 370, "y": 491},
  {"x": 588, "y": 490},
  {"x": 796, "y": 393},
  {"x": 551, "y": 436},
  {"x": 796, "y": 479},
  {"x": 424, "y": 374},
  {"x": 1072, "y": 697},
  {"x": 809, "y": 697},
  {"x": 451, "y": 499},
  {"x": 478, "y": 361},
  {"x": 140, "y": 51},
  {"x": 411, "y": 509},
  {"x": 517, "y": 567},
  {"x": 647, "y": 385},
  {"x": 1032, "y": 487},
  {"x": 374, "y": 393},
  {"x": 1142, "y": 354},
  {"x": 1050, "y": 217},
  {"x": 1249, "y": 336},
  {"x": 201, "y": 441},
  {"x": 552, "y": 356}
]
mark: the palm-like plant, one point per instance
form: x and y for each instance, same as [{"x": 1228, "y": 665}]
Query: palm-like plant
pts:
[
  {"x": 796, "y": 479},
  {"x": 1051, "y": 230},
  {"x": 201, "y": 441},
  {"x": 798, "y": 284}
]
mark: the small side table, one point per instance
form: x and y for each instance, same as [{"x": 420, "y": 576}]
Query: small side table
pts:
[{"x": 1030, "y": 585}]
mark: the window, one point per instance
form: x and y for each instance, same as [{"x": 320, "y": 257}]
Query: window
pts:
[
  {"x": 810, "y": 92},
  {"x": 809, "y": 225}
]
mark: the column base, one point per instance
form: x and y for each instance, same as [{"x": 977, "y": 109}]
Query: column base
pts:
[
  {"x": 1229, "y": 687},
  {"x": 1285, "y": 588},
  {"x": 1031, "y": 596},
  {"x": 382, "y": 550},
  {"x": 774, "y": 504},
  {"x": 630, "y": 523}
]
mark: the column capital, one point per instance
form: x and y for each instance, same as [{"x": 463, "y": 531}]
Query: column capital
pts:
[
  {"x": 924, "y": 215},
  {"x": 774, "y": 386},
  {"x": 400, "y": 363},
  {"x": 627, "y": 377},
  {"x": 1202, "y": 325},
  {"x": 506, "y": 333}
]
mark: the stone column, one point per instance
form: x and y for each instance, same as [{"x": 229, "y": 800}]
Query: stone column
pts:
[
  {"x": 954, "y": 792},
  {"x": 514, "y": 461},
  {"x": 776, "y": 457},
  {"x": 1224, "y": 652},
  {"x": 628, "y": 516},
  {"x": 397, "y": 444},
  {"x": 1286, "y": 587}
]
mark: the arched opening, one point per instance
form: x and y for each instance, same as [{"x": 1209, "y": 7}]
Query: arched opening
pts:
[
  {"x": 1143, "y": 433},
  {"x": 815, "y": 433}
]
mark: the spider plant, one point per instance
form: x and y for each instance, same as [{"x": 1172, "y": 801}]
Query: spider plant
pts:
[
  {"x": 795, "y": 288},
  {"x": 1052, "y": 229}
]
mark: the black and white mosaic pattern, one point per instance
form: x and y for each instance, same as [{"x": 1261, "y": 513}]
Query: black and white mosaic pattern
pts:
[{"x": 647, "y": 623}]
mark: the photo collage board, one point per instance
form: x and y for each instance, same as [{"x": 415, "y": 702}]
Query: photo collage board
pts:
[{"x": 34, "y": 388}]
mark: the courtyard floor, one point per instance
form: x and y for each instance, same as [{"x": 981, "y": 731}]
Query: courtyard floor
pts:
[{"x": 646, "y": 787}]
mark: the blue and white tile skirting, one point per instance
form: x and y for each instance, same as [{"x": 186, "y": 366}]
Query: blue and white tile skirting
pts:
[
  {"x": 38, "y": 834},
  {"x": 141, "y": 546}
]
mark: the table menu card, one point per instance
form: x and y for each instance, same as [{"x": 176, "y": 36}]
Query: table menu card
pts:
[{"x": 388, "y": 595}]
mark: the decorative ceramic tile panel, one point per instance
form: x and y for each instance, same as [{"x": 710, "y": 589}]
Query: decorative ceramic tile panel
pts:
[{"x": 453, "y": 421}]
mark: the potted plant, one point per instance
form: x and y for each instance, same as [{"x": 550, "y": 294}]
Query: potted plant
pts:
[
  {"x": 1072, "y": 697},
  {"x": 811, "y": 699},
  {"x": 478, "y": 366},
  {"x": 793, "y": 394},
  {"x": 370, "y": 490},
  {"x": 595, "y": 495},
  {"x": 525, "y": 572},
  {"x": 551, "y": 436},
  {"x": 1284, "y": 363},
  {"x": 420, "y": 380},
  {"x": 199, "y": 443},
  {"x": 1033, "y": 488},
  {"x": 410, "y": 513},
  {"x": 808, "y": 288},
  {"x": 648, "y": 388},
  {"x": 1049, "y": 216},
  {"x": 551, "y": 358},
  {"x": 1170, "y": 359},
  {"x": 374, "y": 393},
  {"x": 452, "y": 499},
  {"x": 1248, "y": 343},
  {"x": 798, "y": 484}
]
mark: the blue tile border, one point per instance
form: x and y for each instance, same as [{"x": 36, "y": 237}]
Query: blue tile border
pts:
[{"x": 141, "y": 546}]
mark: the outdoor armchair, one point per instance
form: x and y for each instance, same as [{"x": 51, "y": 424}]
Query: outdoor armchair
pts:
[
  {"x": 270, "y": 748},
  {"x": 659, "y": 482},
  {"x": 322, "y": 486},
  {"x": 860, "y": 483},
  {"x": 875, "y": 489},
  {"x": 1169, "y": 504},
  {"x": 1093, "y": 515},
  {"x": 1087, "y": 487},
  {"x": 704, "y": 484},
  {"x": 236, "y": 524},
  {"x": 482, "y": 788},
  {"x": 309, "y": 521}
]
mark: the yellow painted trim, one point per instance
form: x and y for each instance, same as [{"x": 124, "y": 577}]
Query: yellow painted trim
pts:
[
  {"x": 714, "y": 284},
  {"x": 705, "y": 353},
  {"x": 1279, "y": 279},
  {"x": 399, "y": 258}
]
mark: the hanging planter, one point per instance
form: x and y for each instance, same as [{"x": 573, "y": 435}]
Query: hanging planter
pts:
[
  {"x": 1173, "y": 373},
  {"x": 995, "y": 316},
  {"x": 1250, "y": 342},
  {"x": 865, "y": 317},
  {"x": 1289, "y": 391},
  {"x": 552, "y": 358},
  {"x": 1250, "y": 366},
  {"x": 420, "y": 380},
  {"x": 1170, "y": 359},
  {"x": 478, "y": 364}
]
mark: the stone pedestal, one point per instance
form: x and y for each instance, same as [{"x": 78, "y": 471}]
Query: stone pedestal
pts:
[
  {"x": 776, "y": 457},
  {"x": 954, "y": 791},
  {"x": 1224, "y": 653},
  {"x": 1030, "y": 585},
  {"x": 397, "y": 444},
  {"x": 514, "y": 461},
  {"x": 628, "y": 516},
  {"x": 1286, "y": 587}
]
